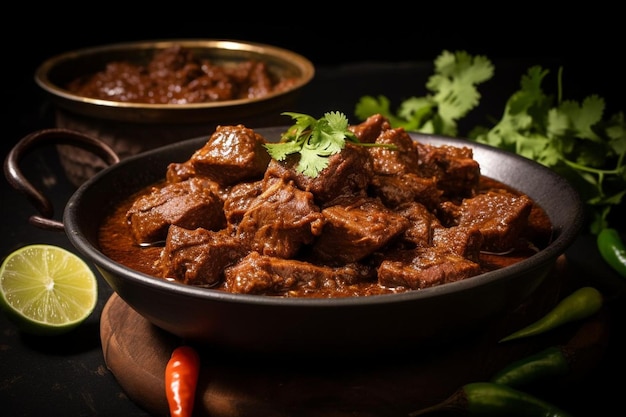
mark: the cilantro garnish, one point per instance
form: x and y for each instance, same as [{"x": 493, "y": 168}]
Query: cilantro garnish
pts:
[
  {"x": 571, "y": 138},
  {"x": 454, "y": 94},
  {"x": 574, "y": 139},
  {"x": 315, "y": 140}
]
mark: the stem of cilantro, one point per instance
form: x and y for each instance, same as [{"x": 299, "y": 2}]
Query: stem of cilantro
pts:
[
  {"x": 600, "y": 172},
  {"x": 559, "y": 83}
]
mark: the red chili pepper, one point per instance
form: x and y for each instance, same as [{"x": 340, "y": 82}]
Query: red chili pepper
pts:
[{"x": 181, "y": 378}]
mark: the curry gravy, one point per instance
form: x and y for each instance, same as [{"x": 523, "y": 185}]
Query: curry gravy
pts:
[{"x": 117, "y": 243}]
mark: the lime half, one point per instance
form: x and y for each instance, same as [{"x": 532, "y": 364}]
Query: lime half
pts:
[{"x": 46, "y": 289}]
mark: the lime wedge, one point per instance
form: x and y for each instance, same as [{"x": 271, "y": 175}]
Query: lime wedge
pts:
[{"x": 46, "y": 289}]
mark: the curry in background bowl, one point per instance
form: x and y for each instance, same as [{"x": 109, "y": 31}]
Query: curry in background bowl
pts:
[{"x": 166, "y": 90}]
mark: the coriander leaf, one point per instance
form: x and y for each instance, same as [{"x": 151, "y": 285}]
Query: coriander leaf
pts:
[
  {"x": 418, "y": 111},
  {"x": 558, "y": 124},
  {"x": 368, "y": 106},
  {"x": 454, "y": 94},
  {"x": 332, "y": 131},
  {"x": 280, "y": 151},
  {"x": 615, "y": 129},
  {"x": 531, "y": 94},
  {"x": 311, "y": 163},
  {"x": 585, "y": 116},
  {"x": 314, "y": 140},
  {"x": 461, "y": 65},
  {"x": 537, "y": 147},
  {"x": 454, "y": 85},
  {"x": 571, "y": 138}
]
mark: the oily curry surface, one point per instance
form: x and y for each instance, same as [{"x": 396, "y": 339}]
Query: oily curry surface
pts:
[
  {"x": 117, "y": 243},
  {"x": 375, "y": 222}
]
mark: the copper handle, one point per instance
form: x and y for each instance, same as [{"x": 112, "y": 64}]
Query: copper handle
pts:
[{"x": 16, "y": 178}]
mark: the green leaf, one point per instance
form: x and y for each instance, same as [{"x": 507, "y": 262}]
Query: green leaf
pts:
[
  {"x": 571, "y": 138},
  {"x": 415, "y": 112},
  {"x": 615, "y": 129},
  {"x": 454, "y": 85},
  {"x": 454, "y": 94},
  {"x": 314, "y": 140},
  {"x": 574, "y": 139},
  {"x": 281, "y": 152},
  {"x": 584, "y": 117},
  {"x": 368, "y": 106}
]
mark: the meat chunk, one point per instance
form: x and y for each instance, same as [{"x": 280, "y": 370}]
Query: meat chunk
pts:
[
  {"x": 348, "y": 173},
  {"x": 500, "y": 216},
  {"x": 199, "y": 256},
  {"x": 538, "y": 230},
  {"x": 456, "y": 171},
  {"x": 238, "y": 201},
  {"x": 368, "y": 130},
  {"x": 259, "y": 274},
  {"x": 191, "y": 203},
  {"x": 232, "y": 154},
  {"x": 402, "y": 159},
  {"x": 179, "y": 171},
  {"x": 280, "y": 220},
  {"x": 355, "y": 229},
  {"x": 424, "y": 267},
  {"x": 421, "y": 224},
  {"x": 464, "y": 241},
  {"x": 395, "y": 190}
]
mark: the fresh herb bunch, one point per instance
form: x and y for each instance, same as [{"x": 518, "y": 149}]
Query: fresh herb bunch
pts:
[
  {"x": 574, "y": 139},
  {"x": 454, "y": 94},
  {"x": 571, "y": 138},
  {"x": 315, "y": 140}
]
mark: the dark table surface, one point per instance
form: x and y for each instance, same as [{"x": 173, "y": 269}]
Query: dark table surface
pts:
[{"x": 68, "y": 376}]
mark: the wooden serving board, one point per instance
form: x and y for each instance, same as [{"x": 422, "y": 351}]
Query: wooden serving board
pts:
[{"x": 136, "y": 352}]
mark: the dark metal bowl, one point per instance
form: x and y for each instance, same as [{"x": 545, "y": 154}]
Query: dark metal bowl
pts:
[
  {"x": 267, "y": 324},
  {"x": 130, "y": 128}
]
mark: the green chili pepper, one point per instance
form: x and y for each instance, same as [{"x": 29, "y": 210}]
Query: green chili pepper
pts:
[
  {"x": 489, "y": 399},
  {"x": 612, "y": 249},
  {"x": 571, "y": 359},
  {"x": 552, "y": 361},
  {"x": 581, "y": 304}
]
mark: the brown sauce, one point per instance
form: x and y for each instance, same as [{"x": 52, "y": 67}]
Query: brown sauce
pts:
[{"x": 116, "y": 242}]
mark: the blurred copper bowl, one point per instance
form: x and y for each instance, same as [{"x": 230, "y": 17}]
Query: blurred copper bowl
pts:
[{"x": 130, "y": 128}]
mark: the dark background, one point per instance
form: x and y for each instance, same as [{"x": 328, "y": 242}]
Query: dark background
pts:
[{"x": 587, "y": 43}]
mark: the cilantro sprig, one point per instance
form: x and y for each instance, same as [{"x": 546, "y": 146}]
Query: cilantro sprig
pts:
[
  {"x": 454, "y": 95},
  {"x": 315, "y": 140},
  {"x": 573, "y": 139}
]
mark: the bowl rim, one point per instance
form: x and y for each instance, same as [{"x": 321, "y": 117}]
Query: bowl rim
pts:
[
  {"x": 303, "y": 64},
  {"x": 564, "y": 238}
]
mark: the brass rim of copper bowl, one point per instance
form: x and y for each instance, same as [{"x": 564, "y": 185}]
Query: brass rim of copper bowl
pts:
[{"x": 53, "y": 74}]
